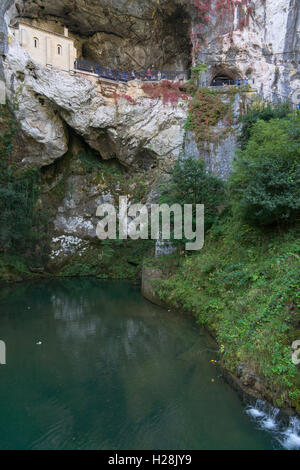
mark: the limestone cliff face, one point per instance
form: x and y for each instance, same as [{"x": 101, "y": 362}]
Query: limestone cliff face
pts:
[
  {"x": 122, "y": 34},
  {"x": 252, "y": 39},
  {"x": 116, "y": 124},
  {"x": 257, "y": 40},
  {"x": 139, "y": 133}
]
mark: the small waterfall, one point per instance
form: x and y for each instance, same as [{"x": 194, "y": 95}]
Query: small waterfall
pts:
[
  {"x": 291, "y": 439},
  {"x": 270, "y": 419}
]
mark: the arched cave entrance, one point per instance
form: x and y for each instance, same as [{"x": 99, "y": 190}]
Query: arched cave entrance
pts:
[{"x": 222, "y": 79}]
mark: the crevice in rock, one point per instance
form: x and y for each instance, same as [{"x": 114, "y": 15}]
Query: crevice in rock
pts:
[{"x": 147, "y": 160}]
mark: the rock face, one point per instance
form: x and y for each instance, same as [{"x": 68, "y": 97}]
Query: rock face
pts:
[
  {"x": 254, "y": 39},
  {"x": 121, "y": 34},
  {"x": 218, "y": 151},
  {"x": 257, "y": 40},
  {"x": 247, "y": 39},
  {"x": 118, "y": 125},
  {"x": 140, "y": 133}
]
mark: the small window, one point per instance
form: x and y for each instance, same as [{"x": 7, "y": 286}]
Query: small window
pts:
[
  {"x": 36, "y": 43},
  {"x": 59, "y": 49}
]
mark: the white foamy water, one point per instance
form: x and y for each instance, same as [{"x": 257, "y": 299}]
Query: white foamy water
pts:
[
  {"x": 268, "y": 418},
  {"x": 269, "y": 423},
  {"x": 255, "y": 413},
  {"x": 291, "y": 440}
]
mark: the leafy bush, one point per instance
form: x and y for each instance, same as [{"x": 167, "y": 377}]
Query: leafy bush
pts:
[
  {"x": 261, "y": 113},
  {"x": 89, "y": 162},
  {"x": 169, "y": 92},
  {"x": 18, "y": 197},
  {"x": 205, "y": 110},
  {"x": 191, "y": 184},
  {"x": 21, "y": 223},
  {"x": 265, "y": 184},
  {"x": 192, "y": 85}
]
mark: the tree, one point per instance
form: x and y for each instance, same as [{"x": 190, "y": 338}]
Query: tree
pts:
[
  {"x": 265, "y": 183},
  {"x": 264, "y": 113},
  {"x": 190, "y": 183},
  {"x": 21, "y": 224}
]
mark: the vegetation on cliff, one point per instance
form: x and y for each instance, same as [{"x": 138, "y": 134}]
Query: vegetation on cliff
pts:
[
  {"x": 190, "y": 183},
  {"x": 29, "y": 200},
  {"x": 206, "y": 109},
  {"x": 22, "y": 224},
  {"x": 265, "y": 183},
  {"x": 244, "y": 285}
]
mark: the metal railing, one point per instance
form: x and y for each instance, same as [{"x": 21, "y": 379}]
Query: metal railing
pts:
[
  {"x": 147, "y": 76},
  {"x": 119, "y": 76}
]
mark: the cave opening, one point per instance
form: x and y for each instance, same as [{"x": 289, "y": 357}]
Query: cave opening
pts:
[
  {"x": 164, "y": 45},
  {"x": 224, "y": 78},
  {"x": 177, "y": 43},
  {"x": 150, "y": 36}
]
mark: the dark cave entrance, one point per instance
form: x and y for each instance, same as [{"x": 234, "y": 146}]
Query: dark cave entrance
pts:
[
  {"x": 164, "y": 44},
  {"x": 176, "y": 40},
  {"x": 223, "y": 79},
  {"x": 155, "y": 37},
  {"x": 221, "y": 75}
]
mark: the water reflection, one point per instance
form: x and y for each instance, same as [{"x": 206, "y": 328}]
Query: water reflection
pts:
[{"x": 113, "y": 372}]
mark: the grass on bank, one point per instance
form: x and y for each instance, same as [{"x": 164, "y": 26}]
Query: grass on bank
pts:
[{"x": 244, "y": 286}]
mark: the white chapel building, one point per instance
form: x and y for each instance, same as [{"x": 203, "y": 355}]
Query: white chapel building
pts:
[{"x": 46, "y": 47}]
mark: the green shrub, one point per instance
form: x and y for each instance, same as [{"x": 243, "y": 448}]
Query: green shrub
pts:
[
  {"x": 191, "y": 184},
  {"x": 21, "y": 222},
  {"x": 18, "y": 196},
  {"x": 265, "y": 183},
  {"x": 262, "y": 113},
  {"x": 206, "y": 109}
]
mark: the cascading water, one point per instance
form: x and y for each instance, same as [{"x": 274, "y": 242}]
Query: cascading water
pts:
[
  {"x": 291, "y": 437},
  {"x": 270, "y": 419}
]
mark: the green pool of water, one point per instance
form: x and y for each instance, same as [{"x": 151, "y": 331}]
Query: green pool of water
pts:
[{"x": 113, "y": 372}]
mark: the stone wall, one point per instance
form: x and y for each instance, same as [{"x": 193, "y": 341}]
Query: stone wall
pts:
[{"x": 149, "y": 276}]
